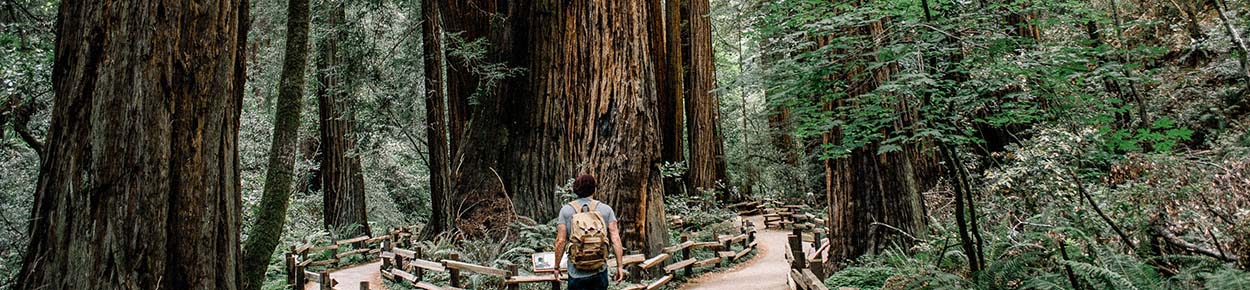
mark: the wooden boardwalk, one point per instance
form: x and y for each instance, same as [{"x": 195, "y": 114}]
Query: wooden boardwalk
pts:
[
  {"x": 767, "y": 271},
  {"x": 350, "y": 278}
]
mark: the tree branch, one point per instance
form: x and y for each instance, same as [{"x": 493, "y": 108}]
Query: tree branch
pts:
[
  {"x": 1159, "y": 229},
  {"x": 1080, "y": 188},
  {"x": 21, "y": 119}
]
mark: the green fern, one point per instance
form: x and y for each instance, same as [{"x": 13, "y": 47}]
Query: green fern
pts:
[
  {"x": 1099, "y": 275},
  {"x": 1227, "y": 278}
]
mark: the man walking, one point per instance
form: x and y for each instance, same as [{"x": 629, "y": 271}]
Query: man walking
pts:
[{"x": 585, "y": 225}]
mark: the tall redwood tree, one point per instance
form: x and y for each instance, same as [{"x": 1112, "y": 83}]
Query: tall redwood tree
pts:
[{"x": 139, "y": 188}]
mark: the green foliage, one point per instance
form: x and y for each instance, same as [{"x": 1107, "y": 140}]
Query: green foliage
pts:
[
  {"x": 867, "y": 278},
  {"x": 1163, "y": 136}
]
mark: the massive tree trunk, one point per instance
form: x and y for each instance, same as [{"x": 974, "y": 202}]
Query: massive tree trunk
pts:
[
  {"x": 139, "y": 187},
  {"x": 271, "y": 215},
  {"x": 586, "y": 104},
  {"x": 468, "y": 20},
  {"x": 875, "y": 199},
  {"x": 481, "y": 119},
  {"x": 342, "y": 183},
  {"x": 594, "y": 104},
  {"x": 707, "y": 158},
  {"x": 664, "y": 28},
  {"x": 435, "y": 118}
]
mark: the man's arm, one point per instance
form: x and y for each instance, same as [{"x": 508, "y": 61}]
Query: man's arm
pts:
[
  {"x": 614, "y": 230},
  {"x": 561, "y": 233}
]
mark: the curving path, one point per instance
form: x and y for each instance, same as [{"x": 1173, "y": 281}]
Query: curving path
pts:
[
  {"x": 767, "y": 269},
  {"x": 350, "y": 278}
]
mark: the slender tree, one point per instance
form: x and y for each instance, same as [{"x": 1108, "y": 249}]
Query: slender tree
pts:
[
  {"x": 664, "y": 29},
  {"x": 263, "y": 237},
  {"x": 342, "y": 182},
  {"x": 435, "y": 118},
  {"x": 707, "y": 157},
  {"x": 139, "y": 186}
]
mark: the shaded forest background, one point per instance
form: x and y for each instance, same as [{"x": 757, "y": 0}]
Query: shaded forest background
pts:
[{"x": 959, "y": 144}]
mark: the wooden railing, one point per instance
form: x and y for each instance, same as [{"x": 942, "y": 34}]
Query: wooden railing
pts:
[
  {"x": 411, "y": 266},
  {"x": 808, "y": 268},
  {"x": 298, "y": 263}
]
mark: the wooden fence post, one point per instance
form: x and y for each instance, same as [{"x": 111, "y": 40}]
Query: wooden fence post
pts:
[
  {"x": 512, "y": 272},
  {"x": 326, "y": 282},
  {"x": 364, "y": 285},
  {"x": 334, "y": 253},
  {"x": 796, "y": 250},
  {"x": 290, "y": 267},
  {"x": 420, "y": 272},
  {"x": 751, "y": 234},
  {"x": 727, "y": 245},
  {"x": 455, "y": 273},
  {"x": 386, "y": 263},
  {"x": 685, "y": 255},
  {"x": 635, "y": 272}
]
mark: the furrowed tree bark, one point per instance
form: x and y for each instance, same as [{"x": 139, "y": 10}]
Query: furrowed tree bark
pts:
[
  {"x": 707, "y": 160},
  {"x": 664, "y": 29},
  {"x": 342, "y": 183},
  {"x": 483, "y": 120},
  {"x": 469, "y": 20},
  {"x": 595, "y": 99},
  {"x": 587, "y": 103},
  {"x": 139, "y": 187},
  {"x": 865, "y": 187},
  {"x": 435, "y": 118},
  {"x": 263, "y": 237}
]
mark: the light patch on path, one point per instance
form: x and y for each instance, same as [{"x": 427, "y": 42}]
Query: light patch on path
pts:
[
  {"x": 350, "y": 278},
  {"x": 767, "y": 270}
]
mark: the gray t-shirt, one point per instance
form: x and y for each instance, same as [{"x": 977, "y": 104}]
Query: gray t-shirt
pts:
[{"x": 566, "y": 215}]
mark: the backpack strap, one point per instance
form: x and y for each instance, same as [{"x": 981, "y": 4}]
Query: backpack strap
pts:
[
  {"x": 593, "y": 204},
  {"x": 576, "y": 208}
]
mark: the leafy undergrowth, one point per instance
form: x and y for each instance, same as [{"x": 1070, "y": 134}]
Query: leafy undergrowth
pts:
[{"x": 1040, "y": 234}]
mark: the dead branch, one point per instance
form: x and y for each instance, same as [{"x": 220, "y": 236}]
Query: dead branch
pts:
[{"x": 1161, "y": 230}]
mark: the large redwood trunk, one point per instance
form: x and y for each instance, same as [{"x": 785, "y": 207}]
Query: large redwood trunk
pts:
[
  {"x": 469, "y": 20},
  {"x": 342, "y": 182},
  {"x": 139, "y": 186},
  {"x": 594, "y": 104},
  {"x": 875, "y": 199},
  {"x": 707, "y": 157},
  {"x": 587, "y": 103},
  {"x": 481, "y": 119}
]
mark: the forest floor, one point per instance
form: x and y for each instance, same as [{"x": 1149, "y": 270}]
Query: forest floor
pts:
[
  {"x": 767, "y": 269},
  {"x": 350, "y": 278}
]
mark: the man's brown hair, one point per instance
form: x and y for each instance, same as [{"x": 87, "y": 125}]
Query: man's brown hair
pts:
[{"x": 584, "y": 186}]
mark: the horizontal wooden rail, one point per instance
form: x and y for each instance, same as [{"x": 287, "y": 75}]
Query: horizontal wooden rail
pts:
[
  {"x": 679, "y": 265},
  {"x": 351, "y": 240},
  {"x": 484, "y": 270},
  {"x": 653, "y": 261}
]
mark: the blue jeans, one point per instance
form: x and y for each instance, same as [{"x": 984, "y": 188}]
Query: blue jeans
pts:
[{"x": 593, "y": 282}]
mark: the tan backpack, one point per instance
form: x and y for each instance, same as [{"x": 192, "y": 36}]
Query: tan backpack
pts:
[{"x": 588, "y": 249}]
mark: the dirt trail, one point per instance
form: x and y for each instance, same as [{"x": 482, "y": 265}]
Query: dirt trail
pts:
[
  {"x": 350, "y": 278},
  {"x": 767, "y": 270}
]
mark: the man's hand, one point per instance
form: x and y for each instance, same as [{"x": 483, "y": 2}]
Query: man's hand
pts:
[
  {"x": 557, "y": 274},
  {"x": 620, "y": 275}
]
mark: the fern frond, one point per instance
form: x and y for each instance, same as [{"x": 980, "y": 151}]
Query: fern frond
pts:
[{"x": 1096, "y": 274}]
